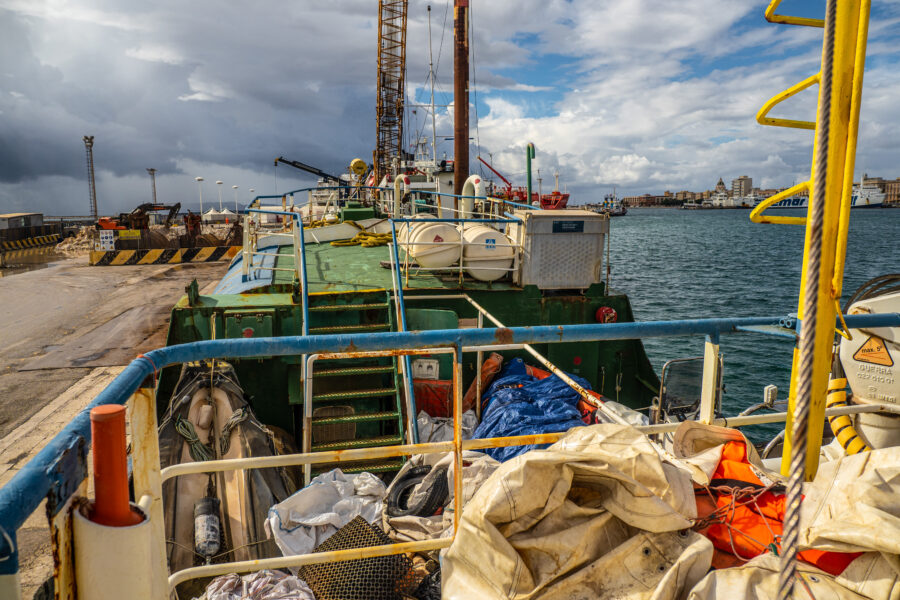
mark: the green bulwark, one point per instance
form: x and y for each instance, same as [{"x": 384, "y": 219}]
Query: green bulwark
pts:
[{"x": 350, "y": 294}]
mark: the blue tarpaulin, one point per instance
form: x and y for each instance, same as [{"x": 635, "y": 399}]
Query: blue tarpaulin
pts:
[{"x": 518, "y": 404}]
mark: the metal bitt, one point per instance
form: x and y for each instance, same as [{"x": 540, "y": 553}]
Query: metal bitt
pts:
[{"x": 460, "y": 95}]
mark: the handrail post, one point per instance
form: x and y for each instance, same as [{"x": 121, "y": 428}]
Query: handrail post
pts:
[
  {"x": 710, "y": 387},
  {"x": 457, "y": 438},
  {"x": 247, "y": 255},
  {"x": 479, "y": 358},
  {"x": 307, "y": 368},
  {"x": 148, "y": 481},
  {"x": 406, "y": 366}
]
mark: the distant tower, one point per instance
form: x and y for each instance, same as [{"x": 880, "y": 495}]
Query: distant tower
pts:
[
  {"x": 92, "y": 188},
  {"x": 153, "y": 182}
]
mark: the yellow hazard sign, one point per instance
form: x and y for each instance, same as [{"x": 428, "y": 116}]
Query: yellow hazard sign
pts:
[{"x": 874, "y": 352}]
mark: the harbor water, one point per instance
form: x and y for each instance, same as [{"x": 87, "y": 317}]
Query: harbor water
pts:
[{"x": 679, "y": 264}]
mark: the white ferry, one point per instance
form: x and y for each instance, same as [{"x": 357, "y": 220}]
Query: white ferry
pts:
[{"x": 865, "y": 196}]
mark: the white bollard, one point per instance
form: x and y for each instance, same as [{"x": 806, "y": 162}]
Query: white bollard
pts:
[{"x": 111, "y": 562}]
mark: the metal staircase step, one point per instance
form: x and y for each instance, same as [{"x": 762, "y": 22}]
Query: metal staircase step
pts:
[
  {"x": 357, "y": 418},
  {"x": 353, "y": 371},
  {"x": 384, "y": 440},
  {"x": 351, "y": 328},
  {"x": 340, "y": 307},
  {"x": 354, "y": 394}
]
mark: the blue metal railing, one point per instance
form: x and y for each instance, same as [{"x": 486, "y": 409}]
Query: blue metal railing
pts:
[
  {"x": 502, "y": 201},
  {"x": 324, "y": 187},
  {"x": 301, "y": 257}
]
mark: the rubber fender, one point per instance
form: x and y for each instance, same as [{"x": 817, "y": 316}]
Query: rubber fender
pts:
[
  {"x": 842, "y": 426},
  {"x": 433, "y": 499}
]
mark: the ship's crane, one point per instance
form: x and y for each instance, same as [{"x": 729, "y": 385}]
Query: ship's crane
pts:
[
  {"x": 391, "y": 86},
  {"x": 509, "y": 185},
  {"x": 309, "y": 169}
]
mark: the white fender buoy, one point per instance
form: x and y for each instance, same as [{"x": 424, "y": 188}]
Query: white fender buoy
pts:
[
  {"x": 401, "y": 187},
  {"x": 473, "y": 186}
]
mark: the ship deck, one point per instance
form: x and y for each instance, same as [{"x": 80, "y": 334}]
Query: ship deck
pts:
[{"x": 335, "y": 269}]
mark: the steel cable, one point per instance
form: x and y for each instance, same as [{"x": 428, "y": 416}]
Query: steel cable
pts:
[{"x": 815, "y": 221}]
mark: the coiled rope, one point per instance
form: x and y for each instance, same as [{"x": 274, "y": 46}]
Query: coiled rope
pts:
[
  {"x": 365, "y": 239},
  {"x": 237, "y": 417},
  {"x": 199, "y": 450},
  {"x": 815, "y": 222}
]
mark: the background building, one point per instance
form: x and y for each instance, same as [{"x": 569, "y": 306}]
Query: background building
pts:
[{"x": 741, "y": 186}]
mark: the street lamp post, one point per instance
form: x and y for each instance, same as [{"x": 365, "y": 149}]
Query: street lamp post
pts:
[
  {"x": 199, "y": 181},
  {"x": 235, "y": 188},
  {"x": 219, "y": 183}
]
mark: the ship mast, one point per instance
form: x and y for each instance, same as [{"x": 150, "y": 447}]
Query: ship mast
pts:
[
  {"x": 431, "y": 77},
  {"x": 391, "y": 87},
  {"x": 460, "y": 95}
]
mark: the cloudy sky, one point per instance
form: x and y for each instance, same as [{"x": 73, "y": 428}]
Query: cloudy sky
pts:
[{"x": 646, "y": 95}]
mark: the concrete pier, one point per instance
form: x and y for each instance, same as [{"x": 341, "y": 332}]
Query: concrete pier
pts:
[{"x": 65, "y": 332}]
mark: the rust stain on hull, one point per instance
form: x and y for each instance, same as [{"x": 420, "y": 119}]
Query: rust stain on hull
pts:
[{"x": 504, "y": 335}]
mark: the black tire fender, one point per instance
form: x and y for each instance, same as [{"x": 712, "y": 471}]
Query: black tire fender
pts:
[{"x": 433, "y": 499}]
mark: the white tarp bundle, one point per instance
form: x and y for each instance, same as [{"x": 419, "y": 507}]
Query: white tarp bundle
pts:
[
  {"x": 261, "y": 585},
  {"x": 330, "y": 501},
  {"x": 439, "y": 429},
  {"x": 604, "y": 514},
  {"x": 598, "y": 514}
]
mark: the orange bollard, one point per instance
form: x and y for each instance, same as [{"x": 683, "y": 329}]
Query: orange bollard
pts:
[{"x": 111, "y": 504}]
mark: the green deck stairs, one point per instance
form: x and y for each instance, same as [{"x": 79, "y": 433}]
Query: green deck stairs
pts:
[{"x": 357, "y": 402}]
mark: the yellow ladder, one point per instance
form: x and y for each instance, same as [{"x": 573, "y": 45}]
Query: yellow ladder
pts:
[{"x": 852, "y": 24}]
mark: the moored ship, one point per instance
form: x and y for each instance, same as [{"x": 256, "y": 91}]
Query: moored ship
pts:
[{"x": 334, "y": 326}]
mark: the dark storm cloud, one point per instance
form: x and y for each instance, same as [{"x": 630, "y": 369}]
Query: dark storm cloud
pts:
[{"x": 214, "y": 83}]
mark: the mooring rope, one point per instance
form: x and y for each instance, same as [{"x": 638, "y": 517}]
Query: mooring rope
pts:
[
  {"x": 815, "y": 222},
  {"x": 199, "y": 450}
]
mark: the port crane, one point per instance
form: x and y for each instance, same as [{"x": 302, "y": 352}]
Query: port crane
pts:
[{"x": 391, "y": 85}]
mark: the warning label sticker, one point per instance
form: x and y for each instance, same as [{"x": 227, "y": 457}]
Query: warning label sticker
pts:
[{"x": 874, "y": 352}]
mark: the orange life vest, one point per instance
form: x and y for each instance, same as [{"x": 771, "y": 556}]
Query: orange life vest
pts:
[{"x": 749, "y": 528}]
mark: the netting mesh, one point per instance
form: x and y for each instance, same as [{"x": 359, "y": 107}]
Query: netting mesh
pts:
[{"x": 381, "y": 577}]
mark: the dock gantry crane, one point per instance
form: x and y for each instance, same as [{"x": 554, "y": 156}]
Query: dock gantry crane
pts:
[{"x": 391, "y": 84}]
